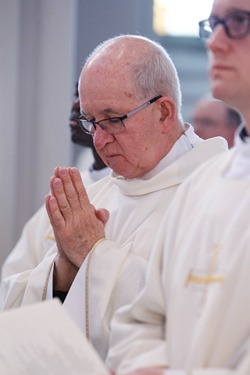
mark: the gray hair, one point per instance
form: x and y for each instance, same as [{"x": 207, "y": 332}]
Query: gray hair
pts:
[{"x": 152, "y": 73}]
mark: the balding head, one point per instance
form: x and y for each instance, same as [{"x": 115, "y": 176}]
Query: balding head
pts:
[
  {"x": 131, "y": 100},
  {"x": 138, "y": 63}
]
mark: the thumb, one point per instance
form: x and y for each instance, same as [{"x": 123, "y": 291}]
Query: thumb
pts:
[{"x": 102, "y": 214}]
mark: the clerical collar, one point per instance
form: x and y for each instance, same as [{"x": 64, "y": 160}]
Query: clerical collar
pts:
[{"x": 240, "y": 166}]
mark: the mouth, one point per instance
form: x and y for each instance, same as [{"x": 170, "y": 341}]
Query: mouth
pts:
[
  {"x": 220, "y": 67},
  {"x": 73, "y": 124},
  {"x": 112, "y": 158}
]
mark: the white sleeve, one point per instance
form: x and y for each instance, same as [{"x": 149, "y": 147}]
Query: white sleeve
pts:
[
  {"x": 36, "y": 238},
  {"x": 26, "y": 287}
]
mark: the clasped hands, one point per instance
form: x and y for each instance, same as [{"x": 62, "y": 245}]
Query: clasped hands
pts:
[{"x": 76, "y": 223}]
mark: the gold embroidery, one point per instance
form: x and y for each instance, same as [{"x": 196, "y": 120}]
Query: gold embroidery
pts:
[
  {"x": 214, "y": 259},
  {"x": 205, "y": 279},
  {"x": 212, "y": 277},
  {"x": 44, "y": 293},
  {"x": 50, "y": 236},
  {"x": 87, "y": 295},
  {"x": 87, "y": 286}
]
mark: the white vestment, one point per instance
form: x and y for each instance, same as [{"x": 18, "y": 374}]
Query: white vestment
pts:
[
  {"x": 194, "y": 313},
  {"x": 113, "y": 273}
]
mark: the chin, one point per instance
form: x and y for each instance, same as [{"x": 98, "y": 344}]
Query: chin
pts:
[{"x": 219, "y": 90}]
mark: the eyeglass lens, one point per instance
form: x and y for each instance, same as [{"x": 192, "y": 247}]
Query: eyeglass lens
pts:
[{"x": 236, "y": 25}]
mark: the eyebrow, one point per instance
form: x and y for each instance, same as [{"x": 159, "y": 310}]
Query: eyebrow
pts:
[
  {"x": 230, "y": 11},
  {"x": 105, "y": 112}
]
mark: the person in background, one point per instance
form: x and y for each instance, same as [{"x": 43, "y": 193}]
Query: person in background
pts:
[
  {"x": 37, "y": 236},
  {"x": 193, "y": 316},
  {"x": 212, "y": 117},
  {"x": 130, "y": 102}
]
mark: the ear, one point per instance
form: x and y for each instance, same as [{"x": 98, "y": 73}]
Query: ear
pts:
[{"x": 168, "y": 113}]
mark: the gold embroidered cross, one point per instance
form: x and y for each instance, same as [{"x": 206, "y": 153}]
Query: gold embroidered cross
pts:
[{"x": 211, "y": 276}]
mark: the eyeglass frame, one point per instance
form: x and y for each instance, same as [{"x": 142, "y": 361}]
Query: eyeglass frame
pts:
[
  {"x": 223, "y": 22},
  {"x": 80, "y": 120}
]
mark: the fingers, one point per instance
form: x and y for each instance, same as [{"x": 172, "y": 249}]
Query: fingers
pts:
[
  {"x": 67, "y": 186},
  {"x": 79, "y": 186},
  {"x": 77, "y": 225},
  {"x": 57, "y": 189},
  {"x": 54, "y": 212},
  {"x": 55, "y": 216},
  {"x": 69, "y": 192}
]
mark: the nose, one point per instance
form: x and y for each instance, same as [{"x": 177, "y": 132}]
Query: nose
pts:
[
  {"x": 218, "y": 39},
  {"x": 101, "y": 138}
]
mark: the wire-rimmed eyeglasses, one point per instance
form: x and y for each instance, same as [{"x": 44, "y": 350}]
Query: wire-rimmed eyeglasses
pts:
[
  {"x": 236, "y": 25},
  {"x": 112, "y": 125}
]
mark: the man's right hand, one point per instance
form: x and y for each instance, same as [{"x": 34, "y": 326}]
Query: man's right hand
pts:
[{"x": 76, "y": 223}]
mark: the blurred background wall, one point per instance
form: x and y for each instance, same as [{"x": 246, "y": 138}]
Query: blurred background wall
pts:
[{"x": 43, "y": 45}]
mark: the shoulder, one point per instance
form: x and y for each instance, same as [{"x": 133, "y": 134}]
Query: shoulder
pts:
[
  {"x": 206, "y": 174},
  {"x": 214, "y": 166}
]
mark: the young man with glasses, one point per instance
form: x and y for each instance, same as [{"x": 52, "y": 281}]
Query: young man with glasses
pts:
[
  {"x": 131, "y": 104},
  {"x": 193, "y": 316}
]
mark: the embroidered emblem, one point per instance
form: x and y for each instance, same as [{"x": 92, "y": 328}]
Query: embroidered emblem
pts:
[{"x": 211, "y": 276}]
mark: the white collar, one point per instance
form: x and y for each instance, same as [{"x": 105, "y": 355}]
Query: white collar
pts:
[
  {"x": 240, "y": 167},
  {"x": 185, "y": 143}
]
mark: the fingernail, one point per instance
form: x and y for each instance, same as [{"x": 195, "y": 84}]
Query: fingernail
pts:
[
  {"x": 63, "y": 172},
  {"x": 57, "y": 182},
  {"x": 73, "y": 170}
]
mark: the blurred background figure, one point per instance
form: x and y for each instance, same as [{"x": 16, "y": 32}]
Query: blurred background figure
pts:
[
  {"x": 211, "y": 117},
  {"x": 96, "y": 168}
]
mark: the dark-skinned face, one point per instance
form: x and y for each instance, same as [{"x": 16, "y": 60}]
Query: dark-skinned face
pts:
[{"x": 77, "y": 135}]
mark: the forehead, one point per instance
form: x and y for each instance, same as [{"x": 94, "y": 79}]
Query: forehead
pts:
[
  {"x": 221, "y": 7},
  {"x": 100, "y": 81},
  {"x": 110, "y": 94}
]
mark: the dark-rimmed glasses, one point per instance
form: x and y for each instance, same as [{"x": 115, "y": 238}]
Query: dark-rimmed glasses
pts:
[
  {"x": 112, "y": 125},
  {"x": 236, "y": 25}
]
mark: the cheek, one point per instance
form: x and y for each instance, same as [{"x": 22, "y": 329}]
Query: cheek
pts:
[{"x": 96, "y": 142}]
